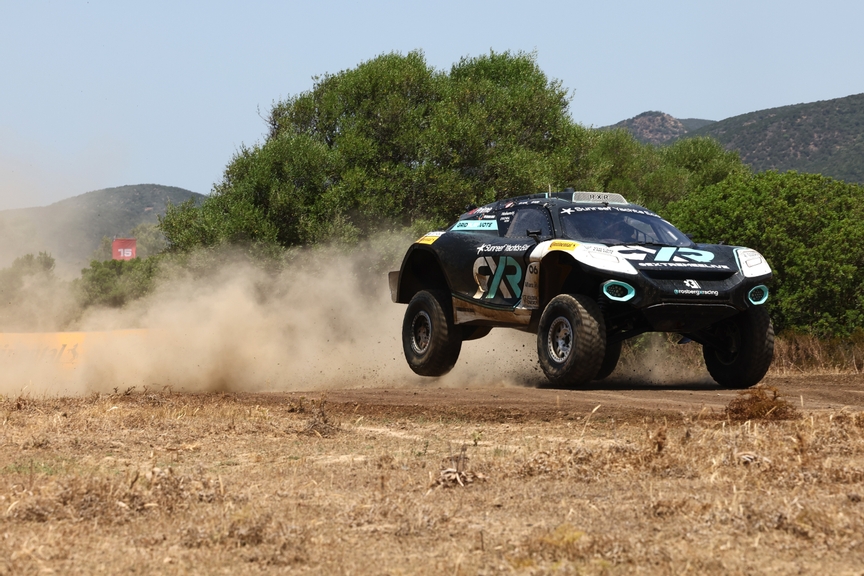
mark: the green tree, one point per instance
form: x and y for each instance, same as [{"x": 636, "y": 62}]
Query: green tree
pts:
[
  {"x": 113, "y": 283},
  {"x": 389, "y": 142},
  {"x": 811, "y": 230}
]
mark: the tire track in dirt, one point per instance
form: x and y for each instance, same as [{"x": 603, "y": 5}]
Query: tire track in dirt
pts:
[{"x": 620, "y": 399}]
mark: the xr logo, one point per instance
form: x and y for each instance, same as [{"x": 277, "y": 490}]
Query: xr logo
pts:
[
  {"x": 493, "y": 275},
  {"x": 692, "y": 284},
  {"x": 665, "y": 254}
]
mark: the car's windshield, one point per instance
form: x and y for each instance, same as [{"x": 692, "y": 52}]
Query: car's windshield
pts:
[{"x": 612, "y": 225}]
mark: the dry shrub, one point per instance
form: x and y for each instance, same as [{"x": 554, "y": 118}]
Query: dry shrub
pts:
[
  {"x": 456, "y": 472},
  {"x": 760, "y": 403},
  {"x": 568, "y": 544},
  {"x": 274, "y": 542},
  {"x": 114, "y": 500},
  {"x": 320, "y": 423},
  {"x": 559, "y": 462}
]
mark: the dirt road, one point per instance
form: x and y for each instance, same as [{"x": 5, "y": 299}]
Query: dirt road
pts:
[{"x": 618, "y": 398}]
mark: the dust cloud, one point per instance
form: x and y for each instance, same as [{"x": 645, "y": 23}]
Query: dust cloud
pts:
[{"x": 326, "y": 320}]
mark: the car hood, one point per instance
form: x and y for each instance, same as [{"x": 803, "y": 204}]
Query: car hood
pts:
[{"x": 636, "y": 258}]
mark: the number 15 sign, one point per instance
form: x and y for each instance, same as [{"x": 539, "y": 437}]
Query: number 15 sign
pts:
[{"x": 123, "y": 249}]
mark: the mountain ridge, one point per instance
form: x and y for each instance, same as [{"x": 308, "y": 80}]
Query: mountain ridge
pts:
[{"x": 824, "y": 137}]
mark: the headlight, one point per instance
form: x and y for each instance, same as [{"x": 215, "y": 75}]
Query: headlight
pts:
[{"x": 752, "y": 263}]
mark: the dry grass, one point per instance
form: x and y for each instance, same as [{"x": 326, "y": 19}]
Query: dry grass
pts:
[
  {"x": 760, "y": 403},
  {"x": 802, "y": 353},
  {"x": 171, "y": 483},
  {"x": 656, "y": 356}
]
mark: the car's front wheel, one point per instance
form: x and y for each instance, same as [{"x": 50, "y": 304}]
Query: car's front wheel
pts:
[
  {"x": 430, "y": 340},
  {"x": 745, "y": 349},
  {"x": 610, "y": 361},
  {"x": 571, "y": 340}
]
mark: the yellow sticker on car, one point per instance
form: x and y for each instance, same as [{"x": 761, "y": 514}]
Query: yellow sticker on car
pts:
[{"x": 563, "y": 245}]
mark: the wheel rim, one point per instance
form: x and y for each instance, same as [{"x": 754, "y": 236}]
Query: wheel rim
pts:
[
  {"x": 421, "y": 332},
  {"x": 560, "y": 339}
]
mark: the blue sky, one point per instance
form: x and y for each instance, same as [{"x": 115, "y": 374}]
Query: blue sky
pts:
[{"x": 98, "y": 94}]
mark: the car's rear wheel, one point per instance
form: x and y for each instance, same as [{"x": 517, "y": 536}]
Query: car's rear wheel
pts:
[
  {"x": 746, "y": 350},
  {"x": 571, "y": 340},
  {"x": 430, "y": 340},
  {"x": 610, "y": 361}
]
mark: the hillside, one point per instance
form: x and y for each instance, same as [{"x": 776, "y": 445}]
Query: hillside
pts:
[
  {"x": 70, "y": 230},
  {"x": 658, "y": 128},
  {"x": 825, "y": 137}
]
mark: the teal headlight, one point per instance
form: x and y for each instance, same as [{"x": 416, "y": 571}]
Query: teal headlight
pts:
[
  {"x": 758, "y": 295},
  {"x": 618, "y": 291}
]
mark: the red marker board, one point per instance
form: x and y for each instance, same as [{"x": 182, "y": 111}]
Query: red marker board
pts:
[{"x": 123, "y": 249}]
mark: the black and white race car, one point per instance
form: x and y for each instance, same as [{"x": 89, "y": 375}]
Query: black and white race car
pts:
[{"x": 584, "y": 271}]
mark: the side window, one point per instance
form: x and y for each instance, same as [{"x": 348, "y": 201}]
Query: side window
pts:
[{"x": 530, "y": 219}]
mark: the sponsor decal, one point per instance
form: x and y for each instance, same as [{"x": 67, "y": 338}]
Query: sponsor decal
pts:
[
  {"x": 683, "y": 265},
  {"x": 531, "y": 288},
  {"x": 696, "y": 292},
  {"x": 599, "y": 249},
  {"x": 502, "y": 248},
  {"x": 472, "y": 225},
  {"x": 503, "y": 276},
  {"x": 430, "y": 238},
  {"x": 573, "y": 209},
  {"x": 694, "y": 289},
  {"x": 505, "y": 217},
  {"x": 65, "y": 350},
  {"x": 565, "y": 245},
  {"x": 669, "y": 254}
]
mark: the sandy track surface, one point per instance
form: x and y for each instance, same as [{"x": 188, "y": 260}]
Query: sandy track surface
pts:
[{"x": 622, "y": 398}]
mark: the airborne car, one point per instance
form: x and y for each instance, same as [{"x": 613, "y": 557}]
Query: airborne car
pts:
[{"x": 585, "y": 271}]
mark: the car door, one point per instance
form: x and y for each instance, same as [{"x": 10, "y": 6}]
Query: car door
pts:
[{"x": 500, "y": 265}]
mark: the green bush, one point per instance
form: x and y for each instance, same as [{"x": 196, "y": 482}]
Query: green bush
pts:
[
  {"x": 811, "y": 230},
  {"x": 113, "y": 283}
]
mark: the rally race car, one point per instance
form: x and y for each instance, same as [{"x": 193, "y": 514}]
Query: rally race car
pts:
[{"x": 585, "y": 271}]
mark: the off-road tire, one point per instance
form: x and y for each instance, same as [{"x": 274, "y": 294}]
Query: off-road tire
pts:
[
  {"x": 571, "y": 340},
  {"x": 430, "y": 340},
  {"x": 750, "y": 336},
  {"x": 610, "y": 361}
]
